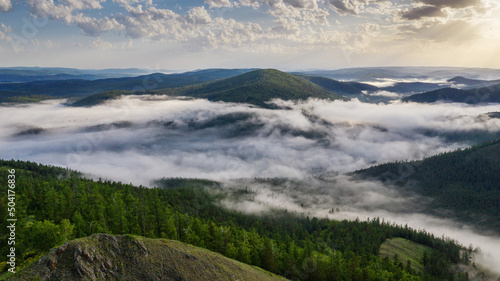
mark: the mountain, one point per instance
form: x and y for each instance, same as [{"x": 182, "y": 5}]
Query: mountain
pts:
[
  {"x": 349, "y": 88},
  {"x": 258, "y": 87},
  {"x": 30, "y": 74},
  {"x": 126, "y": 257},
  {"x": 341, "y": 88},
  {"x": 255, "y": 87},
  {"x": 99, "y": 98},
  {"x": 403, "y": 73},
  {"x": 465, "y": 182},
  {"x": 472, "y": 83},
  {"x": 413, "y": 87},
  {"x": 489, "y": 94},
  {"x": 82, "y": 88}
]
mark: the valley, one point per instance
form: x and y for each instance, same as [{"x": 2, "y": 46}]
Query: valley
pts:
[{"x": 270, "y": 174}]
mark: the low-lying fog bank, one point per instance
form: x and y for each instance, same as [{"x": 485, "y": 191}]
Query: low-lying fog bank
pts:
[{"x": 136, "y": 139}]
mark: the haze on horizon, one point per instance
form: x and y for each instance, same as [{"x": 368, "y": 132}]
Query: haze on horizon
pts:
[{"x": 284, "y": 34}]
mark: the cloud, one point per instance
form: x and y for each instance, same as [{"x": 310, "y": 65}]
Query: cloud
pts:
[
  {"x": 424, "y": 11},
  {"x": 49, "y": 44},
  {"x": 452, "y": 3},
  {"x": 341, "y": 197},
  {"x": 218, "y": 3},
  {"x": 436, "y": 8},
  {"x": 304, "y": 12},
  {"x": 65, "y": 12},
  {"x": 345, "y": 7},
  {"x": 101, "y": 44},
  {"x": 198, "y": 16},
  {"x": 353, "y": 7},
  {"x": 4, "y": 30},
  {"x": 5, "y": 5},
  {"x": 453, "y": 31},
  {"x": 195, "y": 30},
  {"x": 249, "y": 3},
  {"x": 385, "y": 94},
  {"x": 216, "y": 140}
]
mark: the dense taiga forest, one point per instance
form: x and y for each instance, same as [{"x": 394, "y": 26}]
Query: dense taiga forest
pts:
[
  {"x": 466, "y": 182},
  {"x": 55, "y": 205}
]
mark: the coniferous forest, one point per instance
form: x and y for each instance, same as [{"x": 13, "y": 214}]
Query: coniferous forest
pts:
[{"x": 55, "y": 205}]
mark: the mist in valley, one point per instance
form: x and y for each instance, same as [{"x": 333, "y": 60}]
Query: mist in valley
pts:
[{"x": 136, "y": 139}]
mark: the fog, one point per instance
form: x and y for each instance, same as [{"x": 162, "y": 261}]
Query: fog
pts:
[
  {"x": 340, "y": 197},
  {"x": 138, "y": 139},
  {"x": 388, "y": 82}
]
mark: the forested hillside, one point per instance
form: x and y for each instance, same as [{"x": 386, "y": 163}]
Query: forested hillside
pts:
[
  {"x": 466, "y": 182},
  {"x": 54, "y": 205}
]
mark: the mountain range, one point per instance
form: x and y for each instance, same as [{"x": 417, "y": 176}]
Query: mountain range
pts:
[
  {"x": 253, "y": 88},
  {"x": 490, "y": 94},
  {"x": 256, "y": 87}
]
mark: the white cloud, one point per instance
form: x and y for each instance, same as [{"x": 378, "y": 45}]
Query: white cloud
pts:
[
  {"x": 148, "y": 148},
  {"x": 4, "y": 29},
  {"x": 353, "y": 7},
  {"x": 249, "y": 3},
  {"x": 451, "y": 31},
  {"x": 218, "y": 3},
  {"x": 5, "y": 5},
  {"x": 101, "y": 44},
  {"x": 198, "y": 16},
  {"x": 296, "y": 25},
  {"x": 49, "y": 44},
  {"x": 64, "y": 11}
]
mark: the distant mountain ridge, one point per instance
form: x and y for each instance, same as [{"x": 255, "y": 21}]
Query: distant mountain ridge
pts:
[
  {"x": 489, "y": 94},
  {"x": 31, "y": 74},
  {"x": 403, "y": 72},
  {"x": 256, "y": 87},
  {"x": 82, "y": 88},
  {"x": 47, "y": 83},
  {"x": 475, "y": 83}
]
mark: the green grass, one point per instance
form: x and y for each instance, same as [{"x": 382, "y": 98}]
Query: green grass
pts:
[{"x": 405, "y": 250}]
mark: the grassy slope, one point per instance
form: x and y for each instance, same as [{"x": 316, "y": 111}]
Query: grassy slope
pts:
[
  {"x": 106, "y": 257},
  {"x": 405, "y": 250}
]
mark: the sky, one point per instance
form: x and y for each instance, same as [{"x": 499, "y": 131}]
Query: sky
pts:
[{"x": 283, "y": 34}]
